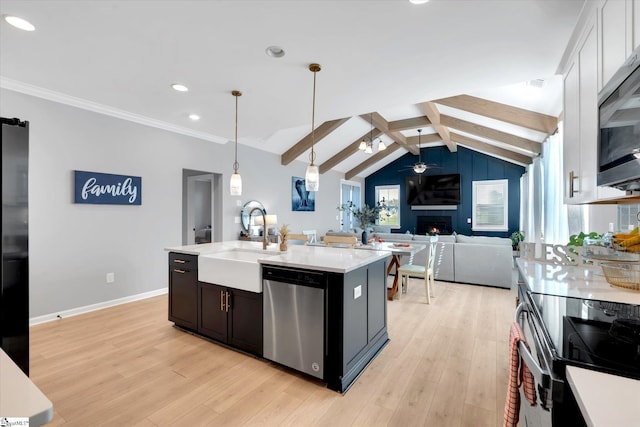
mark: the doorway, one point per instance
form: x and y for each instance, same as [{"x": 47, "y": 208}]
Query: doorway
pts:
[{"x": 201, "y": 207}]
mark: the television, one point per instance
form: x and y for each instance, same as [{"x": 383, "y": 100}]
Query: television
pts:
[{"x": 432, "y": 190}]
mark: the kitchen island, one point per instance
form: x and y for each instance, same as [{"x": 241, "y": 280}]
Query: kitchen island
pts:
[{"x": 216, "y": 291}]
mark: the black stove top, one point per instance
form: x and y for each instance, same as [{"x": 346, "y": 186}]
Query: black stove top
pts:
[{"x": 595, "y": 334}]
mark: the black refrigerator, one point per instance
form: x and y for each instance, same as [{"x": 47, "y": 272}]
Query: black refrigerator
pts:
[{"x": 14, "y": 289}]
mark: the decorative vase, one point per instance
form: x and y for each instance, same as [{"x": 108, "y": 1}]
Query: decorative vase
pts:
[
  {"x": 283, "y": 246},
  {"x": 365, "y": 237}
]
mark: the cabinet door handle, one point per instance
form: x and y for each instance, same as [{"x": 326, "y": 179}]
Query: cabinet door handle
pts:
[
  {"x": 175, "y": 270},
  {"x": 572, "y": 177},
  {"x": 221, "y": 300},
  {"x": 227, "y": 305},
  {"x": 179, "y": 261}
]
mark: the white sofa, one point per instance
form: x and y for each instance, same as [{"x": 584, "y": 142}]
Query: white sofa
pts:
[{"x": 478, "y": 260}]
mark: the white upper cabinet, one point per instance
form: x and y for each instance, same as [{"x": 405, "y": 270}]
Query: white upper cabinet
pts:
[
  {"x": 615, "y": 40},
  {"x": 607, "y": 39},
  {"x": 635, "y": 25},
  {"x": 581, "y": 121}
]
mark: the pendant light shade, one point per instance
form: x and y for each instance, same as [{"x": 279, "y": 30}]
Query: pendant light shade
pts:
[
  {"x": 367, "y": 145},
  {"x": 312, "y": 176},
  {"x": 235, "y": 184}
]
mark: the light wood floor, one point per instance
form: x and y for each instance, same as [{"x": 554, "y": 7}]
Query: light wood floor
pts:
[{"x": 446, "y": 365}]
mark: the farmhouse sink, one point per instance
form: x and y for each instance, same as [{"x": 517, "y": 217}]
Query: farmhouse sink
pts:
[{"x": 236, "y": 268}]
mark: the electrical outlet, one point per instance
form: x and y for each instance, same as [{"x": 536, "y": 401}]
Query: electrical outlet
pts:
[
  {"x": 468, "y": 220},
  {"x": 357, "y": 292},
  {"x": 237, "y": 220},
  {"x": 111, "y": 277}
]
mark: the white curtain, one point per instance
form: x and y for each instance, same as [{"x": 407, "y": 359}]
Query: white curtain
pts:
[
  {"x": 556, "y": 224},
  {"x": 543, "y": 215}
]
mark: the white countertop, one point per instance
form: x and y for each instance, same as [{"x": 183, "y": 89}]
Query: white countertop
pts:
[
  {"x": 573, "y": 281},
  {"x": 337, "y": 260},
  {"x": 19, "y": 397},
  {"x": 605, "y": 400}
]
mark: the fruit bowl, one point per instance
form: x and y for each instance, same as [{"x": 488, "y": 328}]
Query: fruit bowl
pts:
[{"x": 622, "y": 274}]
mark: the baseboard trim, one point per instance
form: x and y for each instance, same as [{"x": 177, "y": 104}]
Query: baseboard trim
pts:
[{"x": 94, "y": 307}]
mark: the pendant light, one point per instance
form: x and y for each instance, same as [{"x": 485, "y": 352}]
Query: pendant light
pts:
[
  {"x": 367, "y": 146},
  {"x": 235, "y": 184},
  {"x": 312, "y": 176}
]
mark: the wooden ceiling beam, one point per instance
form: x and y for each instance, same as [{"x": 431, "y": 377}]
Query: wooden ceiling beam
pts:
[
  {"x": 503, "y": 112},
  {"x": 305, "y": 143},
  {"x": 381, "y": 123},
  {"x": 483, "y": 147},
  {"x": 431, "y": 111},
  {"x": 407, "y": 124},
  {"x": 489, "y": 133},
  {"x": 347, "y": 152},
  {"x": 430, "y": 137},
  {"x": 372, "y": 160}
]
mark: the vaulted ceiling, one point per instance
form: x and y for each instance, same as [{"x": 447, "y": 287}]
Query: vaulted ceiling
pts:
[
  {"x": 440, "y": 129},
  {"x": 453, "y": 68}
]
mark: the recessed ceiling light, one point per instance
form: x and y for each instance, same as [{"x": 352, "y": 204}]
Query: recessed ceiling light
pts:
[
  {"x": 179, "y": 87},
  {"x": 275, "y": 51},
  {"x": 419, "y": 1},
  {"x": 20, "y": 23},
  {"x": 194, "y": 117}
]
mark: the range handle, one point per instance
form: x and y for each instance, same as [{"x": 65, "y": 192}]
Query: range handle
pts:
[{"x": 542, "y": 377}]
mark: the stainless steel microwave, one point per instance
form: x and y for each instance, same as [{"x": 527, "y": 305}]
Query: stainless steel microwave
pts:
[{"x": 619, "y": 128}]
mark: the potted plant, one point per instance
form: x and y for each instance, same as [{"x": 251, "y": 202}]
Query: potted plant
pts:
[
  {"x": 366, "y": 215},
  {"x": 516, "y": 237}
]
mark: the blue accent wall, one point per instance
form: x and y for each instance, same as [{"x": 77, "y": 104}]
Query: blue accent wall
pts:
[{"x": 471, "y": 165}]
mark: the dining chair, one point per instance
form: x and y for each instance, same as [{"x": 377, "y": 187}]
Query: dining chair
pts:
[
  {"x": 311, "y": 234},
  {"x": 297, "y": 239},
  {"x": 422, "y": 271},
  {"x": 341, "y": 240}
]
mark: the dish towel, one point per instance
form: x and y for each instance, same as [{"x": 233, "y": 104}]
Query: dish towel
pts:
[{"x": 519, "y": 375}]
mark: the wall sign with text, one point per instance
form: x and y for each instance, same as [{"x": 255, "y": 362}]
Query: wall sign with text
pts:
[{"x": 107, "y": 189}]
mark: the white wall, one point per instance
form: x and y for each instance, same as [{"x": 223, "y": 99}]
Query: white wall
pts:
[{"x": 73, "y": 246}]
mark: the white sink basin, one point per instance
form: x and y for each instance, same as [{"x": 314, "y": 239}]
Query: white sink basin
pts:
[{"x": 235, "y": 268}]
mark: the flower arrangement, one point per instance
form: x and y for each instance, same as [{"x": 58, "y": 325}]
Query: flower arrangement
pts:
[{"x": 366, "y": 215}]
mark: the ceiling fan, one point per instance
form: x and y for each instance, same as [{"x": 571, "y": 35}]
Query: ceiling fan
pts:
[{"x": 420, "y": 167}]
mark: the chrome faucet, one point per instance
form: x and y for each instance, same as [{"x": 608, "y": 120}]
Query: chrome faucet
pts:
[{"x": 265, "y": 242}]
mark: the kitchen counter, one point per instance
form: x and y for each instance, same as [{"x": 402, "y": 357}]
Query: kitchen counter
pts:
[
  {"x": 334, "y": 260},
  {"x": 605, "y": 400},
  {"x": 216, "y": 290},
  {"x": 19, "y": 397},
  {"x": 573, "y": 281}
]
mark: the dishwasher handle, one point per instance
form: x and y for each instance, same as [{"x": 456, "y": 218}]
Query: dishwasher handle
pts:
[{"x": 312, "y": 279}]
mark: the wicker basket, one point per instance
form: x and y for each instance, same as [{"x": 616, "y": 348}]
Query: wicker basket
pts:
[{"x": 622, "y": 274}]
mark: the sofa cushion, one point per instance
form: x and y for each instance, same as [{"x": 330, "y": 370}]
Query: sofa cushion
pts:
[
  {"x": 483, "y": 240},
  {"x": 393, "y": 237},
  {"x": 441, "y": 239}
]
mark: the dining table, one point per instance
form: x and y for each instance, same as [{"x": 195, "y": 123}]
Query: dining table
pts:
[{"x": 398, "y": 250}]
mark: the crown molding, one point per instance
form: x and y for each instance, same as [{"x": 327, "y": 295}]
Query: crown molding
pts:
[{"x": 61, "y": 98}]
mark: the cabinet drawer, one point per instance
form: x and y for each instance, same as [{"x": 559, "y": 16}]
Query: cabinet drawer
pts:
[{"x": 183, "y": 261}]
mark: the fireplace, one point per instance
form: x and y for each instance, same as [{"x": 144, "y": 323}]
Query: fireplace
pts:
[{"x": 434, "y": 225}]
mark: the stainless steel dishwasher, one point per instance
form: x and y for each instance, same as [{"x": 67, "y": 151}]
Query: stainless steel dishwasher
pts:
[{"x": 294, "y": 318}]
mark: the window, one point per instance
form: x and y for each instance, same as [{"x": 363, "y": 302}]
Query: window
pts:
[
  {"x": 389, "y": 217},
  {"x": 628, "y": 216},
  {"x": 349, "y": 191},
  {"x": 490, "y": 209}
]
